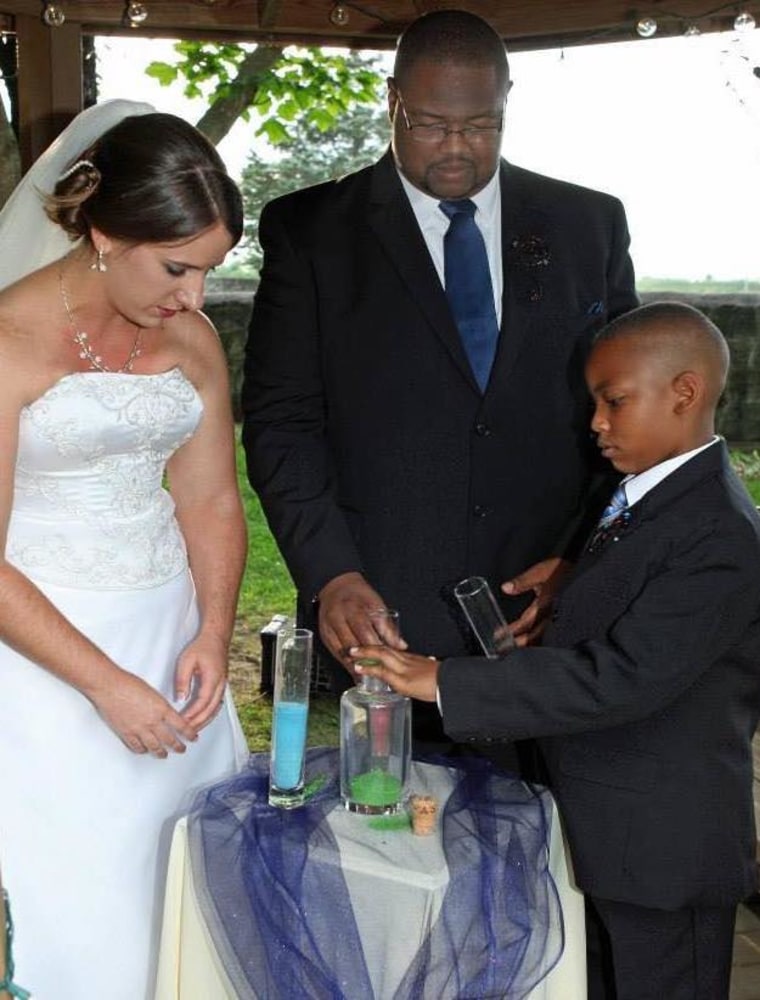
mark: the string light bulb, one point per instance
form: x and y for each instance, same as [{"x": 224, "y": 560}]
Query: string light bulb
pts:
[
  {"x": 339, "y": 15},
  {"x": 744, "y": 21},
  {"x": 52, "y": 14},
  {"x": 646, "y": 27},
  {"x": 135, "y": 14}
]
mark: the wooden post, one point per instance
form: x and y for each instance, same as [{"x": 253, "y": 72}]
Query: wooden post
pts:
[{"x": 49, "y": 82}]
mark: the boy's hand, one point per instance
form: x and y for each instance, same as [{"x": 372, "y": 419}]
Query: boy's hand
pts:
[
  {"x": 543, "y": 579},
  {"x": 409, "y": 674}
]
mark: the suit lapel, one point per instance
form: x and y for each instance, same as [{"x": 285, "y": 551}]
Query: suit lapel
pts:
[
  {"x": 712, "y": 461},
  {"x": 393, "y": 222},
  {"x": 522, "y": 293}
]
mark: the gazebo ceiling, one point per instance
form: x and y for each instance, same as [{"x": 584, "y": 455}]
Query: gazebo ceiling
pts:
[
  {"x": 377, "y": 23},
  {"x": 49, "y": 77}
]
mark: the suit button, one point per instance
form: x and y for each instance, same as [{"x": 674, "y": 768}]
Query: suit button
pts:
[
  {"x": 479, "y": 510},
  {"x": 482, "y": 430}
]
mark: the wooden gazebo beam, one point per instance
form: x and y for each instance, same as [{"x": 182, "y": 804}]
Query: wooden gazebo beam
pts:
[{"x": 377, "y": 23}]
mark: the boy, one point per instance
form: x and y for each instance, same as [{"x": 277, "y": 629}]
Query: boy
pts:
[{"x": 646, "y": 693}]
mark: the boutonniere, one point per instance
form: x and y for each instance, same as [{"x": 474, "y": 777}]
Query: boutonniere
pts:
[
  {"x": 610, "y": 532},
  {"x": 530, "y": 251},
  {"x": 528, "y": 255}
]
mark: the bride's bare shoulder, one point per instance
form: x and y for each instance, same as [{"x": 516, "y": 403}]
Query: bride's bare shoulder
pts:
[
  {"x": 31, "y": 304},
  {"x": 28, "y": 335}
]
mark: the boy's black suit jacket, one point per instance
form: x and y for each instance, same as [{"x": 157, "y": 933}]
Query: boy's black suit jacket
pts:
[
  {"x": 646, "y": 696},
  {"x": 366, "y": 436}
]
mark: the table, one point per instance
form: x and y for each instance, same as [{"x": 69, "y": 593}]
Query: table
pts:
[{"x": 396, "y": 884}]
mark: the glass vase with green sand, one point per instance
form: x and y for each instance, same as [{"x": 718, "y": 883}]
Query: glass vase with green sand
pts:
[{"x": 375, "y": 738}]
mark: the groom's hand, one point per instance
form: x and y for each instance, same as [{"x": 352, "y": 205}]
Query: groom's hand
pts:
[{"x": 344, "y": 606}]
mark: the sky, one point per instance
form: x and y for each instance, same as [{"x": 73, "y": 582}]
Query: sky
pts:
[{"x": 670, "y": 126}]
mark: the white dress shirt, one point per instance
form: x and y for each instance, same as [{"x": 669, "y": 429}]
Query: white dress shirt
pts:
[
  {"x": 433, "y": 225},
  {"x": 638, "y": 485}
]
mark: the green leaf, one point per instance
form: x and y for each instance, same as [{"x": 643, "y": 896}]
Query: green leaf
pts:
[
  {"x": 274, "y": 131},
  {"x": 163, "y": 72},
  {"x": 288, "y": 110}
]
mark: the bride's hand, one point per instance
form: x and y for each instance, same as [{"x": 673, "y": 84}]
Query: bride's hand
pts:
[
  {"x": 141, "y": 717},
  {"x": 202, "y": 675}
]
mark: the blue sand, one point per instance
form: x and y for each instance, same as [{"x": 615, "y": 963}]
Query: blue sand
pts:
[{"x": 288, "y": 743}]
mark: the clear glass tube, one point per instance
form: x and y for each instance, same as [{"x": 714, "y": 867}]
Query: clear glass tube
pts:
[{"x": 484, "y": 615}]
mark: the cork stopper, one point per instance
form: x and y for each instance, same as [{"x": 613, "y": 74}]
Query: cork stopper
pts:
[{"x": 424, "y": 810}]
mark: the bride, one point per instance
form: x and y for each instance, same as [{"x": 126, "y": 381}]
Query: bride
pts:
[{"x": 123, "y": 537}]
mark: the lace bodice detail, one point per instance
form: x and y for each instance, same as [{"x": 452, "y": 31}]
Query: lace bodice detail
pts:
[{"x": 89, "y": 508}]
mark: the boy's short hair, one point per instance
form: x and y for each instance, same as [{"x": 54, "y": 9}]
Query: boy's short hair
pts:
[{"x": 682, "y": 337}]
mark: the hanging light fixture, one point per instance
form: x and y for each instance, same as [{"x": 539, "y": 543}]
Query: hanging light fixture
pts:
[
  {"x": 135, "y": 14},
  {"x": 744, "y": 21},
  {"x": 646, "y": 27},
  {"x": 339, "y": 15},
  {"x": 52, "y": 14}
]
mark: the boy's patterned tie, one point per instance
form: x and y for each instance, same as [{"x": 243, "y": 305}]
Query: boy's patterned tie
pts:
[
  {"x": 613, "y": 514},
  {"x": 614, "y": 508},
  {"x": 468, "y": 287}
]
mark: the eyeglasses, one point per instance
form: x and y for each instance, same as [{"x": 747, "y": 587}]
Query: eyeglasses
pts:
[{"x": 438, "y": 131}]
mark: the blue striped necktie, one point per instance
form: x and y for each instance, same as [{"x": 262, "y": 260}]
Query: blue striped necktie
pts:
[
  {"x": 618, "y": 503},
  {"x": 616, "y": 510},
  {"x": 468, "y": 287}
]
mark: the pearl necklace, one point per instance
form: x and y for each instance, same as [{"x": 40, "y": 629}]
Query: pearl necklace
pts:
[{"x": 82, "y": 341}]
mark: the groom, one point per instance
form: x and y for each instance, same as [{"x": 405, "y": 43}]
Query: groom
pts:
[{"x": 390, "y": 464}]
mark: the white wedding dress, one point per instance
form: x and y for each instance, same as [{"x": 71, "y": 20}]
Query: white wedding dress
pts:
[{"x": 85, "y": 823}]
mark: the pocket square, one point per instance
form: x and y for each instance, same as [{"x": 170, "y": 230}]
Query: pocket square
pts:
[{"x": 596, "y": 308}]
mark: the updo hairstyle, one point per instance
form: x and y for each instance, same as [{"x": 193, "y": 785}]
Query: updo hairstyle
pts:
[{"x": 151, "y": 178}]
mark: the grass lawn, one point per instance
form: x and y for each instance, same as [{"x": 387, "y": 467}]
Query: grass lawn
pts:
[{"x": 268, "y": 590}]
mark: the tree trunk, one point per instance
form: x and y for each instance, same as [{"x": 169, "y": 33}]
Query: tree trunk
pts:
[{"x": 225, "y": 111}]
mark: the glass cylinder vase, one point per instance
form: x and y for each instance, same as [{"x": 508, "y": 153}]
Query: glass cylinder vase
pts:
[{"x": 293, "y": 656}]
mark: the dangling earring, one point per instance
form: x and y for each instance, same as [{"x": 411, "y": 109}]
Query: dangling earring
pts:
[{"x": 99, "y": 264}]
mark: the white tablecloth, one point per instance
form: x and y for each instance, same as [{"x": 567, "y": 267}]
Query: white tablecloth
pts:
[{"x": 396, "y": 882}]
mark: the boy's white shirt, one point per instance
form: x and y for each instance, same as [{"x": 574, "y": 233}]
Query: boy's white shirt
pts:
[{"x": 638, "y": 485}]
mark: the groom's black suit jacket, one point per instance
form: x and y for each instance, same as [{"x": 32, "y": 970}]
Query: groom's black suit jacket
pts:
[
  {"x": 367, "y": 439},
  {"x": 647, "y": 712}
]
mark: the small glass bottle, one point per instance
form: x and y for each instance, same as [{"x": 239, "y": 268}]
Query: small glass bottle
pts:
[{"x": 375, "y": 747}]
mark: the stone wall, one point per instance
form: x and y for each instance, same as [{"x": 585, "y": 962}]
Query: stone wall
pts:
[
  {"x": 230, "y": 313},
  {"x": 738, "y": 316}
]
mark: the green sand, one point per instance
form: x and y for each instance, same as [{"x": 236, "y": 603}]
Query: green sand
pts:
[{"x": 375, "y": 788}]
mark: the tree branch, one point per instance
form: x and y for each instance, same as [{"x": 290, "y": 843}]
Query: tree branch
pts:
[{"x": 225, "y": 111}]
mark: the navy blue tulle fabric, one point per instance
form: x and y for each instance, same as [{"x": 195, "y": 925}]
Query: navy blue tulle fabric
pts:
[{"x": 284, "y": 926}]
